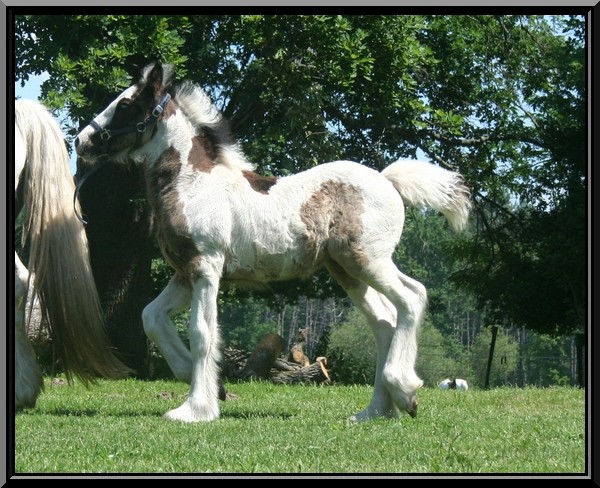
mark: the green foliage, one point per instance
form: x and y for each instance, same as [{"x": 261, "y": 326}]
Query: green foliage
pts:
[
  {"x": 437, "y": 359},
  {"x": 541, "y": 357},
  {"x": 243, "y": 325},
  {"x": 90, "y": 57},
  {"x": 351, "y": 353}
]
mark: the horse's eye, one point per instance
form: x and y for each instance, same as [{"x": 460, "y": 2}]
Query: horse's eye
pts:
[{"x": 123, "y": 105}]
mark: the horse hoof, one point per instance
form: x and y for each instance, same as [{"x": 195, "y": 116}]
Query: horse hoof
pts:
[
  {"x": 192, "y": 413},
  {"x": 360, "y": 417},
  {"x": 412, "y": 409}
]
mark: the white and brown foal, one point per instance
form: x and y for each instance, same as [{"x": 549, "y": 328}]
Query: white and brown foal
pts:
[{"x": 218, "y": 222}]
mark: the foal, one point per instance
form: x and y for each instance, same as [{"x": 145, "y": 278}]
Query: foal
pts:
[{"x": 218, "y": 221}]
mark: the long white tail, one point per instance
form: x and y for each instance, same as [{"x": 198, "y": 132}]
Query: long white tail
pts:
[
  {"x": 59, "y": 259},
  {"x": 424, "y": 184}
]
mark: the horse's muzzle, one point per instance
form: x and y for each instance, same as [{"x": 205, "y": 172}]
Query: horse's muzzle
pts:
[{"x": 86, "y": 148}]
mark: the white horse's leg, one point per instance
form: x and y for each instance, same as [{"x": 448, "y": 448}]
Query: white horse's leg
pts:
[
  {"x": 160, "y": 329},
  {"x": 28, "y": 376},
  {"x": 202, "y": 403},
  {"x": 381, "y": 317},
  {"x": 396, "y": 372},
  {"x": 410, "y": 299}
]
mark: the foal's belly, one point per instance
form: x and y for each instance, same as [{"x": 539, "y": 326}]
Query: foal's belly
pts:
[{"x": 264, "y": 268}]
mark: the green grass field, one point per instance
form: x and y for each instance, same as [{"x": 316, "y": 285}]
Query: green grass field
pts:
[{"x": 116, "y": 427}]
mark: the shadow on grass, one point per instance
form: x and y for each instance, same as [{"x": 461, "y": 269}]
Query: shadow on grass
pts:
[
  {"x": 257, "y": 415},
  {"x": 86, "y": 412},
  {"x": 78, "y": 412}
]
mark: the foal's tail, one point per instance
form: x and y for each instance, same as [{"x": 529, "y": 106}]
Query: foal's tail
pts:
[
  {"x": 59, "y": 264},
  {"x": 425, "y": 184}
]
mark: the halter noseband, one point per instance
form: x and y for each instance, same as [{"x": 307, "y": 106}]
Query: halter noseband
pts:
[{"x": 140, "y": 128}]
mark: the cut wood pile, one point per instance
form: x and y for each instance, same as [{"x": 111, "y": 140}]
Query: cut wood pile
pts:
[{"x": 269, "y": 361}]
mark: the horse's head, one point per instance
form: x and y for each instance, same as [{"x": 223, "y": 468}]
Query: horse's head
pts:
[{"x": 130, "y": 121}]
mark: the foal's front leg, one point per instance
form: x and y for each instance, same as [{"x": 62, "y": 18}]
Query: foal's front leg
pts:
[
  {"x": 202, "y": 403},
  {"x": 160, "y": 329}
]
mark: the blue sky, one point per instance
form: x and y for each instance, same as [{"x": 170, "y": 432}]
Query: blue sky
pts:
[{"x": 31, "y": 91}]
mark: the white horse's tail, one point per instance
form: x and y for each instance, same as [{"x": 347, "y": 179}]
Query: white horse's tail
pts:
[
  {"x": 59, "y": 263},
  {"x": 424, "y": 184}
]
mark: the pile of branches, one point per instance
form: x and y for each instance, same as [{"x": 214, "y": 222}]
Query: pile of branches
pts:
[{"x": 267, "y": 361}]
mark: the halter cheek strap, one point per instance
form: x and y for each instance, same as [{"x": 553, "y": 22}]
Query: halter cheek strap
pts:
[
  {"x": 107, "y": 134},
  {"x": 140, "y": 128}
]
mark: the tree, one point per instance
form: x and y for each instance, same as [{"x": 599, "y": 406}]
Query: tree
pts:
[
  {"x": 119, "y": 231},
  {"x": 532, "y": 224},
  {"x": 501, "y": 98},
  {"x": 504, "y": 361}
]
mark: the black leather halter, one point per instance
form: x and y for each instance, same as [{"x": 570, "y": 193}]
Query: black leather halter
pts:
[
  {"x": 139, "y": 128},
  {"x": 107, "y": 134}
]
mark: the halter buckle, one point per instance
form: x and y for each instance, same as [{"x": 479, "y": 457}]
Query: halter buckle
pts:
[
  {"x": 157, "y": 111},
  {"x": 105, "y": 135}
]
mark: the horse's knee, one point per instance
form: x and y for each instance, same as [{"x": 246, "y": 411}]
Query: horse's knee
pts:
[{"x": 150, "y": 321}]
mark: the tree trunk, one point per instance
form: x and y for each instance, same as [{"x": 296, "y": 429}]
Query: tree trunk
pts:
[
  {"x": 263, "y": 357},
  {"x": 490, "y": 357},
  {"x": 121, "y": 250}
]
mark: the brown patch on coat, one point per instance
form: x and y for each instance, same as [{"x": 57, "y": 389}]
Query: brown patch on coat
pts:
[
  {"x": 261, "y": 184},
  {"x": 333, "y": 222},
  {"x": 203, "y": 154},
  {"x": 172, "y": 230}
]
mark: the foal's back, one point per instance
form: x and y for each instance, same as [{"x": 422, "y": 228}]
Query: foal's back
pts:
[{"x": 332, "y": 209}]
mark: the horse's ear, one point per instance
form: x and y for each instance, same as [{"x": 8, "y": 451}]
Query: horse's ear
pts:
[{"x": 157, "y": 75}]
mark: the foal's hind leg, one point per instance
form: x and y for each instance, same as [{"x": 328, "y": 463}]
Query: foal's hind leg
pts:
[
  {"x": 410, "y": 299},
  {"x": 381, "y": 316},
  {"x": 160, "y": 329},
  {"x": 28, "y": 376},
  {"x": 394, "y": 315}
]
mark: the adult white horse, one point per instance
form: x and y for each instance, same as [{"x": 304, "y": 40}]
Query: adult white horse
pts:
[
  {"x": 58, "y": 270},
  {"x": 218, "y": 221}
]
